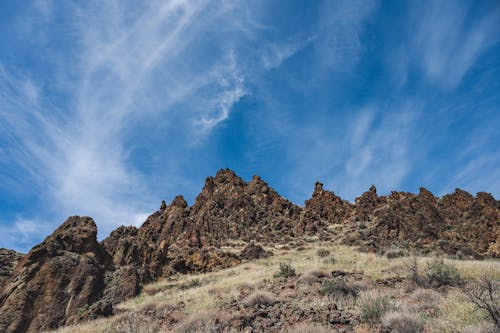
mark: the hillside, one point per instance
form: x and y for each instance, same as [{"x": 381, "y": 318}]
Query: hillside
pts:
[{"x": 70, "y": 277}]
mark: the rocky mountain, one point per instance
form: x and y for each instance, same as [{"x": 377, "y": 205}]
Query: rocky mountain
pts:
[{"x": 71, "y": 277}]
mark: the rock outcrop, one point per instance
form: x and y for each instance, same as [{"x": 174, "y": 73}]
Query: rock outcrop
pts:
[
  {"x": 71, "y": 277},
  {"x": 55, "y": 281},
  {"x": 456, "y": 224},
  {"x": 8, "y": 260}
]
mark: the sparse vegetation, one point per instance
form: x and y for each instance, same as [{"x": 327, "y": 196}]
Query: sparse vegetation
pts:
[
  {"x": 132, "y": 324},
  {"x": 309, "y": 328},
  {"x": 438, "y": 273},
  {"x": 373, "y": 305},
  {"x": 445, "y": 310},
  {"x": 484, "y": 293},
  {"x": 204, "y": 322},
  {"x": 286, "y": 270},
  {"x": 330, "y": 260},
  {"x": 260, "y": 298},
  {"x": 395, "y": 252},
  {"x": 191, "y": 284},
  {"x": 322, "y": 253},
  {"x": 338, "y": 286},
  {"x": 403, "y": 322}
]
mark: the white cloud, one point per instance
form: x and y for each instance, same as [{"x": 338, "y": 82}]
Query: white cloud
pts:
[
  {"x": 339, "y": 40},
  {"x": 445, "y": 44},
  {"x": 380, "y": 149},
  {"x": 130, "y": 64},
  {"x": 273, "y": 54}
]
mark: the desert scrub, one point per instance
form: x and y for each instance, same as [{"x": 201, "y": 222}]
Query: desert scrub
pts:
[
  {"x": 372, "y": 305},
  {"x": 438, "y": 273},
  {"x": 338, "y": 286},
  {"x": 329, "y": 261},
  {"x": 193, "y": 283},
  {"x": 285, "y": 270},
  {"x": 456, "y": 313},
  {"x": 484, "y": 293},
  {"x": 322, "y": 253},
  {"x": 403, "y": 322},
  {"x": 260, "y": 298},
  {"x": 395, "y": 252},
  {"x": 204, "y": 321}
]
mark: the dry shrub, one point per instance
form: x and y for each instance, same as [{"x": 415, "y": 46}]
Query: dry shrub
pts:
[
  {"x": 425, "y": 299},
  {"x": 288, "y": 295},
  {"x": 320, "y": 273},
  {"x": 373, "y": 305},
  {"x": 260, "y": 298},
  {"x": 309, "y": 328},
  {"x": 204, "y": 322},
  {"x": 307, "y": 279},
  {"x": 484, "y": 293},
  {"x": 245, "y": 287},
  {"x": 193, "y": 283},
  {"x": 322, "y": 253},
  {"x": 403, "y": 322},
  {"x": 340, "y": 287},
  {"x": 483, "y": 327},
  {"x": 133, "y": 323}
]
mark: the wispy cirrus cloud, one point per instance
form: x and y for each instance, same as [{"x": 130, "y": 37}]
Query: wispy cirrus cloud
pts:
[
  {"x": 446, "y": 44},
  {"x": 128, "y": 65}
]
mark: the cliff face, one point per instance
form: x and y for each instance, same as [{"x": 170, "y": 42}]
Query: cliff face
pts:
[
  {"x": 54, "y": 280},
  {"x": 71, "y": 277}
]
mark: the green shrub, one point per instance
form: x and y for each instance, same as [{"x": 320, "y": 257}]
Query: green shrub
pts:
[
  {"x": 438, "y": 273},
  {"x": 373, "y": 305},
  {"x": 322, "y": 253},
  {"x": 285, "y": 270}
]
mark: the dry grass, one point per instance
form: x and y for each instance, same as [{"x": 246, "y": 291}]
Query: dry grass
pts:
[
  {"x": 309, "y": 328},
  {"x": 204, "y": 322},
  {"x": 213, "y": 289},
  {"x": 260, "y": 298},
  {"x": 403, "y": 322}
]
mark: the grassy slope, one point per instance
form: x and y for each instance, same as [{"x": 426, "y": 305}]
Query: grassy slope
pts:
[{"x": 197, "y": 291}]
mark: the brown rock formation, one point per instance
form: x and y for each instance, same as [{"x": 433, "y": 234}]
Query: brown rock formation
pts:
[
  {"x": 8, "y": 260},
  {"x": 71, "y": 277},
  {"x": 254, "y": 251},
  {"x": 456, "y": 224},
  {"x": 55, "y": 281}
]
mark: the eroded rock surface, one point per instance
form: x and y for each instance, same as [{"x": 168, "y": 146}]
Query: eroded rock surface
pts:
[
  {"x": 8, "y": 260},
  {"x": 71, "y": 277},
  {"x": 55, "y": 281}
]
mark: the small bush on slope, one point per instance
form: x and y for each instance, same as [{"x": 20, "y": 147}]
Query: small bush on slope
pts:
[
  {"x": 373, "y": 305},
  {"x": 338, "y": 286},
  {"x": 260, "y": 298},
  {"x": 484, "y": 293},
  {"x": 285, "y": 270},
  {"x": 403, "y": 322},
  {"x": 322, "y": 253},
  {"x": 205, "y": 322},
  {"x": 438, "y": 274}
]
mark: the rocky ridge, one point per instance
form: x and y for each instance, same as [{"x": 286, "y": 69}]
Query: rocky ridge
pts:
[{"x": 71, "y": 277}]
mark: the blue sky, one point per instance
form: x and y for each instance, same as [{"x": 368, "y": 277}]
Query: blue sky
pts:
[{"x": 108, "y": 107}]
